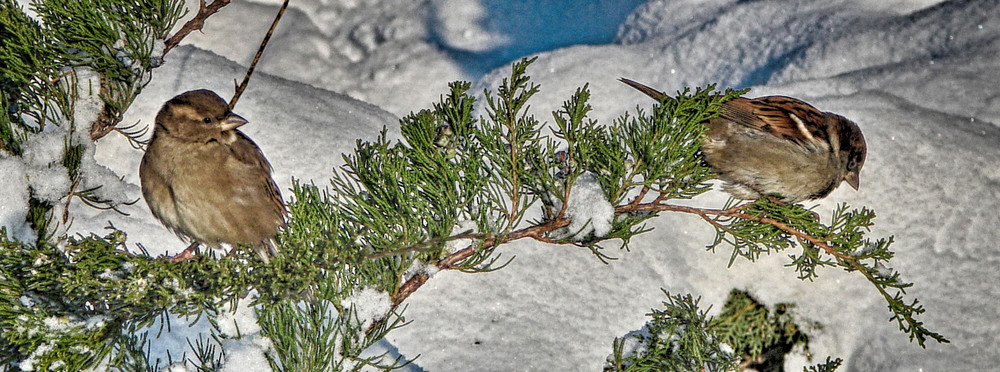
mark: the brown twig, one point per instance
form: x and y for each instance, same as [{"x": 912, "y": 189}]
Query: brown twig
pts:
[
  {"x": 260, "y": 50},
  {"x": 106, "y": 120},
  {"x": 736, "y": 212},
  {"x": 69, "y": 198},
  {"x": 195, "y": 24},
  {"x": 427, "y": 245},
  {"x": 538, "y": 232},
  {"x": 451, "y": 261},
  {"x": 642, "y": 195}
]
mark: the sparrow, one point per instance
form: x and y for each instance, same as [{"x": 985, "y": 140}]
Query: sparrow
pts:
[
  {"x": 208, "y": 182},
  {"x": 779, "y": 145}
]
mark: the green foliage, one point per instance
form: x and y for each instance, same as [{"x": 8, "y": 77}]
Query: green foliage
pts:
[
  {"x": 510, "y": 140},
  {"x": 766, "y": 226},
  {"x": 678, "y": 338},
  {"x": 746, "y": 335},
  {"x": 664, "y": 147},
  {"x": 131, "y": 354},
  {"x": 316, "y": 335},
  {"x": 74, "y": 300},
  {"x": 39, "y": 61},
  {"x": 82, "y": 59},
  {"x": 66, "y": 303},
  {"x": 27, "y": 60},
  {"x": 761, "y": 336}
]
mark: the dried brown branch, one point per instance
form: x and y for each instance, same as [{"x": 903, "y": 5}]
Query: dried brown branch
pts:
[
  {"x": 735, "y": 212},
  {"x": 452, "y": 261},
  {"x": 196, "y": 23},
  {"x": 260, "y": 50},
  {"x": 106, "y": 120},
  {"x": 539, "y": 233},
  {"x": 69, "y": 198},
  {"x": 427, "y": 245}
]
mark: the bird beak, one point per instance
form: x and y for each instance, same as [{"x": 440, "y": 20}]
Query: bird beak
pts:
[
  {"x": 232, "y": 121},
  {"x": 853, "y": 180}
]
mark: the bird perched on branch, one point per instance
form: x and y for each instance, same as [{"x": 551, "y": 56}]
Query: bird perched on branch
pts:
[
  {"x": 208, "y": 182},
  {"x": 779, "y": 145}
]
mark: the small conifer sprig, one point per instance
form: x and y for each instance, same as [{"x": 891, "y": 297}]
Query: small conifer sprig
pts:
[
  {"x": 764, "y": 226},
  {"x": 746, "y": 335},
  {"x": 678, "y": 338}
]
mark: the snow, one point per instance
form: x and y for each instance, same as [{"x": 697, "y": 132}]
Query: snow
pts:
[
  {"x": 43, "y": 155},
  {"x": 369, "y": 305},
  {"x": 88, "y": 104},
  {"x": 246, "y": 354},
  {"x": 420, "y": 267},
  {"x": 14, "y": 199},
  {"x": 29, "y": 363},
  {"x": 238, "y": 321},
  {"x": 918, "y": 76},
  {"x": 461, "y": 228},
  {"x": 589, "y": 210},
  {"x": 634, "y": 344}
]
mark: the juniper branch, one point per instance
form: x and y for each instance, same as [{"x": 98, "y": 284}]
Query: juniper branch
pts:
[
  {"x": 902, "y": 313},
  {"x": 756, "y": 227}
]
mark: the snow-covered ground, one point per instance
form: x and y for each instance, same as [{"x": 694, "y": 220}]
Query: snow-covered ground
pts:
[{"x": 921, "y": 78}]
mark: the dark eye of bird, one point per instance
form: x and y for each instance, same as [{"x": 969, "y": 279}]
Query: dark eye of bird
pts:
[{"x": 207, "y": 120}]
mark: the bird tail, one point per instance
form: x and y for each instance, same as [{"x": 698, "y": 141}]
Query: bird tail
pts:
[
  {"x": 267, "y": 249},
  {"x": 653, "y": 93}
]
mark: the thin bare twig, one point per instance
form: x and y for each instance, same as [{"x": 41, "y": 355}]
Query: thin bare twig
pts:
[
  {"x": 736, "y": 212},
  {"x": 427, "y": 245},
  {"x": 69, "y": 198},
  {"x": 260, "y": 50},
  {"x": 196, "y": 23},
  {"x": 451, "y": 261},
  {"x": 538, "y": 232}
]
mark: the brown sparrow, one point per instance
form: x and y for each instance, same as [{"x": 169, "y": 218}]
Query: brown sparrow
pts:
[
  {"x": 208, "y": 182},
  {"x": 779, "y": 145}
]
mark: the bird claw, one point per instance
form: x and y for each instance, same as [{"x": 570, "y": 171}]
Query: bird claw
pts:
[
  {"x": 776, "y": 200},
  {"x": 187, "y": 254}
]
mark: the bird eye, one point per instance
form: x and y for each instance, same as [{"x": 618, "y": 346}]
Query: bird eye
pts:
[{"x": 207, "y": 120}]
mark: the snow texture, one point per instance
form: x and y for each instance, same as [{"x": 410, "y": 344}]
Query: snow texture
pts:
[
  {"x": 88, "y": 104},
  {"x": 43, "y": 154},
  {"x": 245, "y": 346},
  {"x": 369, "y": 305},
  {"x": 634, "y": 344},
  {"x": 589, "y": 210},
  {"x": 919, "y": 76},
  {"x": 462, "y": 227},
  {"x": 239, "y": 321},
  {"x": 29, "y": 363},
  {"x": 246, "y": 354},
  {"x": 14, "y": 199}
]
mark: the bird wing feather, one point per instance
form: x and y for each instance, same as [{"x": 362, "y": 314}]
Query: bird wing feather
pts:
[
  {"x": 780, "y": 116},
  {"x": 247, "y": 152}
]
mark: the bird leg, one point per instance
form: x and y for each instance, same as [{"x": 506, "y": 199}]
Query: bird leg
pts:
[
  {"x": 186, "y": 254},
  {"x": 776, "y": 200}
]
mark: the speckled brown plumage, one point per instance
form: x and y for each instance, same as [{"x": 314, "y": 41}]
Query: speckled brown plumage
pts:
[
  {"x": 779, "y": 145},
  {"x": 205, "y": 180}
]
